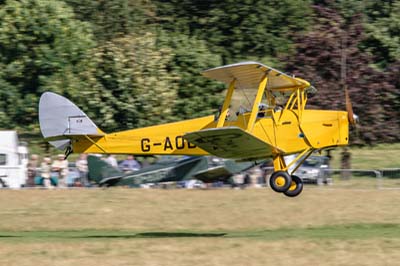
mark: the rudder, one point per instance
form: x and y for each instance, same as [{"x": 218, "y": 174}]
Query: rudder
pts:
[{"x": 60, "y": 119}]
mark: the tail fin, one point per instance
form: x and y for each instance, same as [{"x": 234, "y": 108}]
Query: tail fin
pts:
[
  {"x": 60, "y": 120},
  {"x": 102, "y": 172}
]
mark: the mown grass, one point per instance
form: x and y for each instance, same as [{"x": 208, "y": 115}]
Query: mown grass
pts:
[
  {"x": 324, "y": 226},
  {"x": 337, "y": 232},
  {"x": 375, "y": 157}
]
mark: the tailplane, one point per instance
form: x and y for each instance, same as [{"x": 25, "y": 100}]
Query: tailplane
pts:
[{"x": 60, "y": 120}]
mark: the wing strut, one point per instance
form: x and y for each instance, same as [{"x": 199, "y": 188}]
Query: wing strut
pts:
[
  {"x": 257, "y": 100},
  {"x": 226, "y": 104},
  {"x": 300, "y": 159}
]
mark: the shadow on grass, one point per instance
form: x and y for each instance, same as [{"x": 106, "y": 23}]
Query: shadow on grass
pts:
[
  {"x": 105, "y": 235},
  {"x": 157, "y": 235},
  {"x": 349, "y": 231}
]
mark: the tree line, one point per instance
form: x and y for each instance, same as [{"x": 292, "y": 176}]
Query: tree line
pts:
[{"x": 133, "y": 63}]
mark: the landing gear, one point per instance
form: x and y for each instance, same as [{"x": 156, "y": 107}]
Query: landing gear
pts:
[
  {"x": 68, "y": 151},
  {"x": 280, "y": 181},
  {"x": 295, "y": 188}
]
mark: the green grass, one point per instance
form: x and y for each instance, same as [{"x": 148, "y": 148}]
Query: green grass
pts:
[
  {"x": 376, "y": 157},
  {"x": 324, "y": 226},
  {"x": 337, "y": 232}
]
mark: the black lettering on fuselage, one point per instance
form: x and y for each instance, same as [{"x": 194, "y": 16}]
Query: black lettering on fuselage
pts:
[
  {"x": 179, "y": 142},
  {"x": 168, "y": 144},
  {"x": 191, "y": 146},
  {"x": 145, "y": 145}
]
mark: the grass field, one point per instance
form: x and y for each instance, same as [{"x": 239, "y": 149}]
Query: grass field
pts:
[
  {"x": 376, "y": 157},
  {"x": 324, "y": 226}
]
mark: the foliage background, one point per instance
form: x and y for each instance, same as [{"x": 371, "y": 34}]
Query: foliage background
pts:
[{"x": 132, "y": 63}]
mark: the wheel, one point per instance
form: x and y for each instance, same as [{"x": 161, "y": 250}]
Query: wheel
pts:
[
  {"x": 295, "y": 188},
  {"x": 280, "y": 181}
]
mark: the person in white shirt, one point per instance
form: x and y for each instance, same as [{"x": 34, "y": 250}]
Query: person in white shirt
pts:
[
  {"x": 112, "y": 161},
  {"x": 82, "y": 166},
  {"x": 60, "y": 168}
]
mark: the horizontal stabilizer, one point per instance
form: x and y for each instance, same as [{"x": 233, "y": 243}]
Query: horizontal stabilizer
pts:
[
  {"x": 61, "y": 120},
  {"x": 230, "y": 142},
  {"x": 72, "y": 136}
]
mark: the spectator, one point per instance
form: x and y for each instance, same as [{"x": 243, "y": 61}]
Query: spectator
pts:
[
  {"x": 32, "y": 170},
  {"x": 238, "y": 180},
  {"x": 45, "y": 170},
  {"x": 255, "y": 174},
  {"x": 112, "y": 161},
  {"x": 82, "y": 167},
  {"x": 130, "y": 164},
  {"x": 262, "y": 108},
  {"x": 345, "y": 164},
  {"x": 60, "y": 168}
]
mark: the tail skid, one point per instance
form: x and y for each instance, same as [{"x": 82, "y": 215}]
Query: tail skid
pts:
[{"x": 60, "y": 120}]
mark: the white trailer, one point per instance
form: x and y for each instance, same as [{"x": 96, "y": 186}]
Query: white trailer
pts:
[{"x": 13, "y": 160}]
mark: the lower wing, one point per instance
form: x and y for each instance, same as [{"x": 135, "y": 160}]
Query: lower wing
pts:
[{"x": 231, "y": 142}]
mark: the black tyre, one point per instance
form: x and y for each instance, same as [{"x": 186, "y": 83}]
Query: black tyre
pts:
[
  {"x": 280, "y": 181},
  {"x": 295, "y": 188}
]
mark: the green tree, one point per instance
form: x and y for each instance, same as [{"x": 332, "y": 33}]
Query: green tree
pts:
[
  {"x": 251, "y": 29},
  {"x": 116, "y": 18},
  {"x": 196, "y": 95},
  {"x": 394, "y": 104},
  {"x": 40, "y": 42},
  {"x": 133, "y": 87},
  {"x": 383, "y": 32},
  {"x": 319, "y": 58}
]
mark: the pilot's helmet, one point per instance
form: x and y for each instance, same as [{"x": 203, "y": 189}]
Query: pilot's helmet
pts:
[{"x": 262, "y": 106}]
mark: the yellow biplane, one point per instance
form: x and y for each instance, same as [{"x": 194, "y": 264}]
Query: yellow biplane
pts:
[{"x": 266, "y": 129}]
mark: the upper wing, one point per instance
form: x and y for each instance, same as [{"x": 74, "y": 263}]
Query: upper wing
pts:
[
  {"x": 248, "y": 76},
  {"x": 230, "y": 142}
]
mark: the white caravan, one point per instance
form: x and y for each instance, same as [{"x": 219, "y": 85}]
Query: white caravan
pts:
[{"x": 13, "y": 160}]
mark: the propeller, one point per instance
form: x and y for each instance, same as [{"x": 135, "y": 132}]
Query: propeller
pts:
[{"x": 353, "y": 118}]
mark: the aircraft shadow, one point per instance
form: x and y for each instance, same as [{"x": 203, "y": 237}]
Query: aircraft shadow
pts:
[
  {"x": 157, "y": 235},
  {"x": 108, "y": 235}
]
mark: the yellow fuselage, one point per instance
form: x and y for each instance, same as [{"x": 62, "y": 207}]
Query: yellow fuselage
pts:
[{"x": 287, "y": 130}]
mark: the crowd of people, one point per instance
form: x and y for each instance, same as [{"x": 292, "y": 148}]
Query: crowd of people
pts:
[
  {"x": 59, "y": 172},
  {"x": 51, "y": 173}
]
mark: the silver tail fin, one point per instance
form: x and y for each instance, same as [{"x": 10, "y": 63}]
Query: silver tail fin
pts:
[{"x": 60, "y": 120}]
